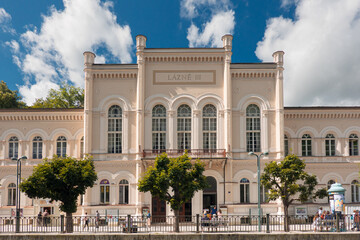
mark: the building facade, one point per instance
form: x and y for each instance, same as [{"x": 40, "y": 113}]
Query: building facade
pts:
[{"x": 177, "y": 99}]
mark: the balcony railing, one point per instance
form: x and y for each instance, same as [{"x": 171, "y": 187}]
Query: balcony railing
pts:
[{"x": 194, "y": 153}]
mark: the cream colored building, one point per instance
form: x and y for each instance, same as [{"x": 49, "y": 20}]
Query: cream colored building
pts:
[{"x": 176, "y": 99}]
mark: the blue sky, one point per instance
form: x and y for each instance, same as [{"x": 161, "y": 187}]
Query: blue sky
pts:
[{"x": 42, "y": 41}]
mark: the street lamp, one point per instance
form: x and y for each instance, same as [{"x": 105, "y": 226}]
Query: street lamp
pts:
[
  {"x": 258, "y": 156},
  {"x": 18, "y": 179}
]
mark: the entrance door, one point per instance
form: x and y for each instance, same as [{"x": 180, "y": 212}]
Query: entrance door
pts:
[
  {"x": 185, "y": 212},
  {"x": 210, "y": 194},
  {"x": 158, "y": 210}
]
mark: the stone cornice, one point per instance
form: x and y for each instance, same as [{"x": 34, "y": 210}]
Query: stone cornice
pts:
[
  {"x": 42, "y": 116},
  {"x": 321, "y": 115}
]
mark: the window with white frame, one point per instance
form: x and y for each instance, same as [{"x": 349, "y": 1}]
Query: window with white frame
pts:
[
  {"x": 104, "y": 191},
  {"x": 253, "y": 128},
  {"x": 264, "y": 194},
  {"x": 159, "y": 128},
  {"x": 13, "y": 147},
  {"x": 209, "y": 126},
  {"x": 244, "y": 190},
  {"x": 306, "y": 145},
  {"x": 355, "y": 193},
  {"x": 82, "y": 147},
  {"x": 115, "y": 129},
  {"x": 124, "y": 192},
  {"x": 330, "y": 145},
  {"x": 353, "y": 145},
  {"x": 11, "y": 194},
  {"x": 286, "y": 145},
  {"x": 61, "y": 146},
  {"x": 37, "y": 147},
  {"x": 184, "y": 127}
]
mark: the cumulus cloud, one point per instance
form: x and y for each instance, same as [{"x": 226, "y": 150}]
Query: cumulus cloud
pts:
[
  {"x": 321, "y": 52},
  {"x": 5, "y": 22},
  {"x": 219, "y": 21},
  {"x": 54, "y": 52}
]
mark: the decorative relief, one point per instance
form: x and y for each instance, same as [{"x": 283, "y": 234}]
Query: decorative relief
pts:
[
  {"x": 53, "y": 117},
  {"x": 184, "y": 59},
  {"x": 184, "y": 77},
  {"x": 116, "y": 75},
  {"x": 321, "y": 115},
  {"x": 253, "y": 75}
]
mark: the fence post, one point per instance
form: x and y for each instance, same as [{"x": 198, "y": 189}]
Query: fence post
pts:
[
  {"x": 250, "y": 216},
  {"x": 338, "y": 221},
  {"x": 267, "y": 223},
  {"x": 197, "y": 223},
  {"x": 61, "y": 223},
  {"x": 128, "y": 223}
]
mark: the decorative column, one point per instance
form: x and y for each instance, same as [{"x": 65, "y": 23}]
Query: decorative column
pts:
[
  {"x": 196, "y": 131},
  {"x": 140, "y": 93},
  {"x": 140, "y": 98},
  {"x": 89, "y": 58},
  {"x": 227, "y": 44},
  {"x": 279, "y": 104}
]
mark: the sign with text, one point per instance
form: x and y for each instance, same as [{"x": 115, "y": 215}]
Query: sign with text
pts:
[{"x": 184, "y": 77}]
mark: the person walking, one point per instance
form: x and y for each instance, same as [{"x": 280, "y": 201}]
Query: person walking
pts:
[
  {"x": 357, "y": 220},
  {"x": 86, "y": 221},
  {"x": 97, "y": 219},
  {"x": 39, "y": 219},
  {"x": 45, "y": 218}
]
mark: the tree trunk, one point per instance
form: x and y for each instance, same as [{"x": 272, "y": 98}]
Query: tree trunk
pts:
[
  {"x": 69, "y": 223},
  {"x": 176, "y": 223},
  {"x": 286, "y": 218}
]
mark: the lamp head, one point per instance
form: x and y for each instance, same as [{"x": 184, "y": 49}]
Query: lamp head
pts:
[
  {"x": 266, "y": 153},
  {"x": 14, "y": 158},
  {"x": 251, "y": 153},
  {"x": 23, "y": 158}
]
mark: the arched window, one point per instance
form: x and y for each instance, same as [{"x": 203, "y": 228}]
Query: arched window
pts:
[
  {"x": 306, "y": 149},
  {"x": 353, "y": 145},
  {"x": 286, "y": 145},
  {"x": 244, "y": 190},
  {"x": 124, "y": 192},
  {"x": 253, "y": 128},
  {"x": 115, "y": 129},
  {"x": 330, "y": 145},
  {"x": 159, "y": 128},
  {"x": 209, "y": 127},
  {"x": 13, "y": 147},
  {"x": 184, "y": 127},
  {"x": 11, "y": 194},
  {"x": 61, "y": 146},
  {"x": 104, "y": 191},
  {"x": 37, "y": 147},
  {"x": 82, "y": 147},
  {"x": 355, "y": 193}
]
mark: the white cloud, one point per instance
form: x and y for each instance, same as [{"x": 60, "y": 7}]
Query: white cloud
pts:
[
  {"x": 5, "y": 22},
  {"x": 14, "y": 45},
  {"x": 54, "y": 52},
  {"x": 321, "y": 52},
  {"x": 220, "y": 24},
  {"x": 219, "y": 17}
]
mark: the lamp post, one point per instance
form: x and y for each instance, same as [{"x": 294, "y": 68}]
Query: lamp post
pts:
[
  {"x": 258, "y": 156},
  {"x": 18, "y": 179}
]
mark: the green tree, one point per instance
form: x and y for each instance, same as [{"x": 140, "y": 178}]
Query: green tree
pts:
[
  {"x": 174, "y": 180},
  {"x": 61, "y": 179},
  {"x": 66, "y": 97},
  {"x": 288, "y": 181},
  {"x": 9, "y": 98}
]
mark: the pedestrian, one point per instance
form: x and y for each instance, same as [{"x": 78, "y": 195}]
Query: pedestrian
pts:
[
  {"x": 328, "y": 220},
  {"x": 357, "y": 220},
  {"x": 86, "y": 221},
  {"x": 148, "y": 219},
  {"x": 213, "y": 211},
  {"x": 219, "y": 214},
  {"x": 320, "y": 211},
  {"x": 97, "y": 219},
  {"x": 316, "y": 221},
  {"x": 39, "y": 219},
  {"x": 45, "y": 218}
]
